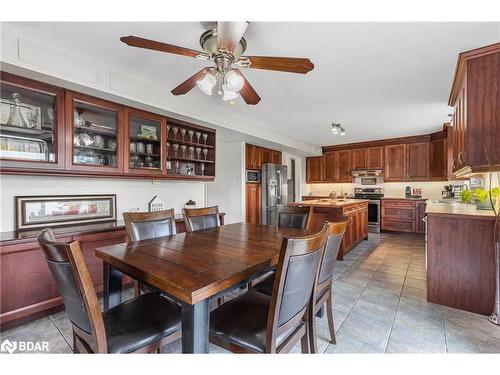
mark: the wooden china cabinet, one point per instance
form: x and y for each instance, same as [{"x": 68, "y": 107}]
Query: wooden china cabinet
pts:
[{"x": 47, "y": 130}]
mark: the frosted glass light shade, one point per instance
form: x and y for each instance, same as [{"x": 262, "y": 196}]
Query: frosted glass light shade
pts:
[
  {"x": 235, "y": 82},
  {"x": 228, "y": 93},
  {"x": 207, "y": 83}
]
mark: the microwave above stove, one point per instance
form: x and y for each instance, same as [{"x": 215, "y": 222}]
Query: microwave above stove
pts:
[{"x": 253, "y": 176}]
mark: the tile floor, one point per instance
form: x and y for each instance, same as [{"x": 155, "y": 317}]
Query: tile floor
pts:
[{"x": 380, "y": 306}]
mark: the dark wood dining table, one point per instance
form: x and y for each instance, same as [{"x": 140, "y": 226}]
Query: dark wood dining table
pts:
[{"x": 194, "y": 268}]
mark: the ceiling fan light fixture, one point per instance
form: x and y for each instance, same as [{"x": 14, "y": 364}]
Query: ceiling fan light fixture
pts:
[
  {"x": 229, "y": 94},
  {"x": 234, "y": 81},
  {"x": 207, "y": 83}
]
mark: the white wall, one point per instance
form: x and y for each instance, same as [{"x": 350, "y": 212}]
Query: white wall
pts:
[
  {"x": 430, "y": 189},
  {"x": 130, "y": 194},
  {"x": 228, "y": 189}
]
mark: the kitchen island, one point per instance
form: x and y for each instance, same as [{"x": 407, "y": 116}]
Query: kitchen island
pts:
[{"x": 355, "y": 210}]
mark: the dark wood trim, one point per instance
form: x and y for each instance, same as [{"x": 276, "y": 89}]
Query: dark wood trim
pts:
[{"x": 381, "y": 142}]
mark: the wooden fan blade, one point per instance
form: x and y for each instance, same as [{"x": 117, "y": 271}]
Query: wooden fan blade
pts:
[
  {"x": 135, "y": 41},
  {"x": 190, "y": 83},
  {"x": 247, "y": 92},
  {"x": 229, "y": 34},
  {"x": 282, "y": 64}
]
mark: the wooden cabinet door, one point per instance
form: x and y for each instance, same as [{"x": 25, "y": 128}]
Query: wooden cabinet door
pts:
[
  {"x": 276, "y": 157},
  {"x": 314, "y": 169},
  {"x": 363, "y": 223},
  {"x": 374, "y": 157},
  {"x": 395, "y": 162},
  {"x": 253, "y": 203},
  {"x": 343, "y": 166},
  {"x": 420, "y": 225},
  {"x": 253, "y": 157},
  {"x": 329, "y": 166},
  {"x": 267, "y": 155},
  {"x": 438, "y": 159},
  {"x": 417, "y": 167},
  {"x": 359, "y": 158}
]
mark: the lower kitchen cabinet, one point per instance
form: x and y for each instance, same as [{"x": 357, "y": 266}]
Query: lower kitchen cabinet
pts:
[
  {"x": 403, "y": 215},
  {"x": 253, "y": 203}
]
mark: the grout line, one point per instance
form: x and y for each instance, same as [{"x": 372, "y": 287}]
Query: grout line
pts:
[
  {"x": 58, "y": 330},
  {"x": 444, "y": 331}
]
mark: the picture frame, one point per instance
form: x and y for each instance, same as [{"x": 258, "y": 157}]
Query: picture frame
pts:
[{"x": 43, "y": 211}]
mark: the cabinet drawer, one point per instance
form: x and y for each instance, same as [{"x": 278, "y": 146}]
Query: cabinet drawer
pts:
[
  {"x": 401, "y": 203},
  {"x": 399, "y": 213},
  {"x": 349, "y": 209},
  {"x": 398, "y": 225}
]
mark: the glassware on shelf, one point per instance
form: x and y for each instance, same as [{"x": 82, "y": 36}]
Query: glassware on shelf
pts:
[
  {"x": 198, "y": 135},
  {"x": 176, "y": 148},
  {"x": 34, "y": 118},
  {"x": 133, "y": 148},
  {"x": 168, "y": 148},
  {"x": 205, "y": 137},
  {"x": 149, "y": 148},
  {"x": 112, "y": 144},
  {"x": 205, "y": 153},
  {"x": 177, "y": 167},
  {"x": 203, "y": 169},
  {"x": 175, "y": 129},
  {"x": 183, "y": 149},
  {"x": 198, "y": 151},
  {"x": 191, "y": 152},
  {"x": 168, "y": 129},
  {"x": 191, "y": 133},
  {"x": 85, "y": 140},
  {"x": 149, "y": 162},
  {"x": 98, "y": 141},
  {"x": 183, "y": 133},
  {"x": 141, "y": 149},
  {"x": 15, "y": 117},
  {"x": 77, "y": 119}
]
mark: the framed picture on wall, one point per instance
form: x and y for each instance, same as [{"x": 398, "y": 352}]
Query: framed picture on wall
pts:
[{"x": 42, "y": 211}]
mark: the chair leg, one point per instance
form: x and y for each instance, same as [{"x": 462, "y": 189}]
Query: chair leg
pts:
[
  {"x": 313, "y": 346},
  {"x": 75, "y": 346},
  {"x": 137, "y": 288},
  {"x": 329, "y": 313},
  {"x": 304, "y": 344}
]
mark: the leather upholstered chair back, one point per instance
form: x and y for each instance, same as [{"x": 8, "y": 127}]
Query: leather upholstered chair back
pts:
[
  {"x": 201, "y": 218},
  {"x": 146, "y": 225}
]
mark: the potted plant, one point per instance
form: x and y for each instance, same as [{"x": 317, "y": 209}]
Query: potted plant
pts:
[
  {"x": 486, "y": 199},
  {"x": 466, "y": 196}
]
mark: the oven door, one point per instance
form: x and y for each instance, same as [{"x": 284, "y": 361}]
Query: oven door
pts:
[{"x": 374, "y": 215}]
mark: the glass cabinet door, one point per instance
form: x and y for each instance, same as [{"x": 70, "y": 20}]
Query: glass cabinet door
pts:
[
  {"x": 96, "y": 134},
  {"x": 145, "y": 142},
  {"x": 28, "y": 123}
]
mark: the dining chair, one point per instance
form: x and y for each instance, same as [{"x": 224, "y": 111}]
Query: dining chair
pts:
[
  {"x": 323, "y": 288},
  {"x": 258, "y": 323},
  {"x": 146, "y": 225},
  {"x": 201, "y": 218},
  {"x": 142, "y": 324},
  {"x": 294, "y": 217}
]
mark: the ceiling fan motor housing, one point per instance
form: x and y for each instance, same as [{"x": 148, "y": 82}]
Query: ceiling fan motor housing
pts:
[{"x": 208, "y": 42}]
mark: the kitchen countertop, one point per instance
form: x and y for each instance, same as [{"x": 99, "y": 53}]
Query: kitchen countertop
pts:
[
  {"x": 403, "y": 198},
  {"x": 333, "y": 203},
  {"x": 457, "y": 209}
]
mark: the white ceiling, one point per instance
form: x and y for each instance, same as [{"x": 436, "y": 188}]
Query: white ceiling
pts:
[{"x": 379, "y": 80}]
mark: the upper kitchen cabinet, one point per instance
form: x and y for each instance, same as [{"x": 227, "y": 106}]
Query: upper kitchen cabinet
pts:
[
  {"x": 95, "y": 130},
  {"x": 417, "y": 167},
  {"x": 475, "y": 96},
  {"x": 343, "y": 166},
  {"x": 146, "y": 143},
  {"x": 438, "y": 155},
  {"x": 253, "y": 157},
  {"x": 375, "y": 157},
  {"x": 270, "y": 156},
  {"x": 395, "y": 162},
  {"x": 31, "y": 124},
  {"x": 329, "y": 166},
  {"x": 359, "y": 158},
  {"x": 314, "y": 169}
]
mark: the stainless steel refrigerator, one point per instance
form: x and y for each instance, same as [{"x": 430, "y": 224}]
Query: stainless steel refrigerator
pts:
[{"x": 274, "y": 191}]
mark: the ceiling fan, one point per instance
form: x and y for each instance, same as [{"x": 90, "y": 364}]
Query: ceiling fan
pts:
[{"x": 224, "y": 46}]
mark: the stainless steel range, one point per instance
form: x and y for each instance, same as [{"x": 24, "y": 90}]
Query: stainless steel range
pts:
[{"x": 373, "y": 194}]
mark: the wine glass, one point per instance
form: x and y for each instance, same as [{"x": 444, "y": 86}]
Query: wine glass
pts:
[
  {"x": 177, "y": 167},
  {"x": 203, "y": 169},
  {"x": 191, "y": 133},
  {"x": 205, "y": 137},
  {"x": 168, "y": 129},
  {"x": 191, "y": 152},
  {"x": 183, "y": 149},
  {"x": 176, "y": 148},
  {"x": 198, "y": 151},
  {"x": 175, "y": 129},
  {"x": 168, "y": 147},
  {"x": 183, "y": 133},
  {"x": 205, "y": 153},
  {"x": 198, "y": 135}
]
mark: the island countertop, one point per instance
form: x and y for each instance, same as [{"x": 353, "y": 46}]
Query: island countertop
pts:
[
  {"x": 333, "y": 203},
  {"x": 457, "y": 209}
]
